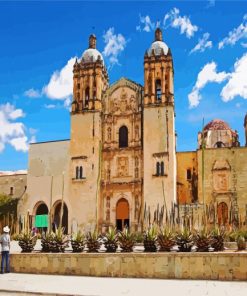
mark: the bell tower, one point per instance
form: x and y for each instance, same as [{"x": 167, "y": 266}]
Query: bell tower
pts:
[
  {"x": 90, "y": 83},
  {"x": 90, "y": 80},
  {"x": 158, "y": 126}
]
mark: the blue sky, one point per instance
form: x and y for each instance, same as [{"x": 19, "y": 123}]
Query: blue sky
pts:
[{"x": 208, "y": 40}]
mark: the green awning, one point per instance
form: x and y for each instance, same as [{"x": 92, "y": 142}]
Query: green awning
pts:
[{"x": 41, "y": 221}]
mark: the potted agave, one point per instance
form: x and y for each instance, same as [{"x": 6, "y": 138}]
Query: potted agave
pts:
[
  {"x": 93, "y": 241},
  {"x": 203, "y": 240},
  {"x": 184, "y": 240},
  {"x": 217, "y": 239},
  {"x": 60, "y": 241},
  {"x": 165, "y": 240},
  {"x": 78, "y": 242},
  {"x": 47, "y": 242},
  {"x": 111, "y": 240},
  {"x": 150, "y": 239},
  {"x": 27, "y": 242},
  {"x": 126, "y": 240}
]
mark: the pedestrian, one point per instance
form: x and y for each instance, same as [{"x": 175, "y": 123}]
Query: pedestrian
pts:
[{"x": 5, "y": 244}]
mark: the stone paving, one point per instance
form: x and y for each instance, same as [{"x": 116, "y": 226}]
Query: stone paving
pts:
[{"x": 31, "y": 284}]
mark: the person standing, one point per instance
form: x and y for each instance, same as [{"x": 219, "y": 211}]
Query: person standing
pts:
[{"x": 5, "y": 243}]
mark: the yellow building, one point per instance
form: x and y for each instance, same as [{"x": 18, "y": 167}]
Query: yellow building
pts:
[{"x": 120, "y": 166}]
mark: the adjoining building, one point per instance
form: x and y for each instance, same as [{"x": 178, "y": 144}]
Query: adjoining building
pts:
[{"x": 120, "y": 163}]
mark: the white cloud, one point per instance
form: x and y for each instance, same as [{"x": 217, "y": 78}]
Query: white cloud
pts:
[
  {"x": 235, "y": 35},
  {"x": 146, "y": 24},
  {"x": 67, "y": 103},
  {"x": 202, "y": 44},
  {"x": 20, "y": 144},
  {"x": 50, "y": 106},
  {"x": 32, "y": 93},
  {"x": 13, "y": 133},
  {"x": 206, "y": 75},
  {"x": 237, "y": 84},
  {"x": 114, "y": 45},
  {"x": 244, "y": 44},
  {"x": 60, "y": 85},
  {"x": 175, "y": 20}
]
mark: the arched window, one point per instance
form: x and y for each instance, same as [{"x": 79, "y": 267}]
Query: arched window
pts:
[
  {"x": 87, "y": 96},
  {"x": 219, "y": 144},
  {"x": 158, "y": 89},
  {"x": 162, "y": 168},
  {"x": 123, "y": 137},
  {"x": 157, "y": 169}
]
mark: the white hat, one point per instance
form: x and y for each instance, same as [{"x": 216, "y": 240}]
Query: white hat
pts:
[{"x": 6, "y": 229}]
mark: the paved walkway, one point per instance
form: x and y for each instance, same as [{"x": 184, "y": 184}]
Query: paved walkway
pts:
[{"x": 30, "y": 284}]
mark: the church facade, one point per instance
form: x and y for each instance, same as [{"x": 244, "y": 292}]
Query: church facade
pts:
[{"x": 120, "y": 164}]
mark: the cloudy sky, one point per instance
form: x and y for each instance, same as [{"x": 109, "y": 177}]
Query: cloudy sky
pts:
[{"x": 40, "y": 41}]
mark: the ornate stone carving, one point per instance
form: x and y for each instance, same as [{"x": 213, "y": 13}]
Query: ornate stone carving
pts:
[
  {"x": 123, "y": 166},
  {"x": 109, "y": 134},
  {"x": 123, "y": 101}
]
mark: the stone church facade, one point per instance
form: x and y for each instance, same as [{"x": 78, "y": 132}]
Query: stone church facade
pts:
[{"x": 120, "y": 164}]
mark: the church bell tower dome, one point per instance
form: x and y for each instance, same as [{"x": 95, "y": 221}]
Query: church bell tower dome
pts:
[
  {"x": 92, "y": 54},
  {"x": 158, "y": 47}
]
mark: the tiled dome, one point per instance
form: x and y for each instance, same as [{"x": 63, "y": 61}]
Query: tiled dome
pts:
[{"x": 217, "y": 124}]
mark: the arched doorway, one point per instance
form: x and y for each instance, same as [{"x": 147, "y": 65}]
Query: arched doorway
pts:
[
  {"x": 41, "y": 217},
  {"x": 222, "y": 212},
  {"x": 42, "y": 209},
  {"x": 122, "y": 214},
  {"x": 56, "y": 217}
]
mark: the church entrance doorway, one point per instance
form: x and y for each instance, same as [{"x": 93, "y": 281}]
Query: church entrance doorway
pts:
[
  {"x": 222, "y": 213},
  {"x": 122, "y": 214},
  {"x": 56, "y": 219}
]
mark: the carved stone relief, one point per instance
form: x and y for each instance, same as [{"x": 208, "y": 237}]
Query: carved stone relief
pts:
[
  {"x": 220, "y": 181},
  {"x": 123, "y": 166}
]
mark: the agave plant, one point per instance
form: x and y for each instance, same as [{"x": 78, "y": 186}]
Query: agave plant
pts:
[
  {"x": 60, "y": 241},
  {"x": 217, "y": 239},
  {"x": 78, "y": 242},
  {"x": 150, "y": 239},
  {"x": 203, "y": 240},
  {"x": 184, "y": 240},
  {"x": 47, "y": 242},
  {"x": 27, "y": 242},
  {"x": 165, "y": 240},
  {"x": 126, "y": 240},
  {"x": 93, "y": 241},
  {"x": 111, "y": 240}
]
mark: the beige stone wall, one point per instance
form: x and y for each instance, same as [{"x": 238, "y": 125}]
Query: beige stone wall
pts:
[
  {"x": 47, "y": 161},
  {"x": 85, "y": 151},
  {"x": 17, "y": 181},
  {"x": 158, "y": 146},
  {"x": 198, "y": 266},
  {"x": 225, "y": 177}
]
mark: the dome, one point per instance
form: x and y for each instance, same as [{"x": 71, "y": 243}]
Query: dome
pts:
[
  {"x": 217, "y": 124},
  {"x": 159, "y": 47},
  {"x": 91, "y": 55}
]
